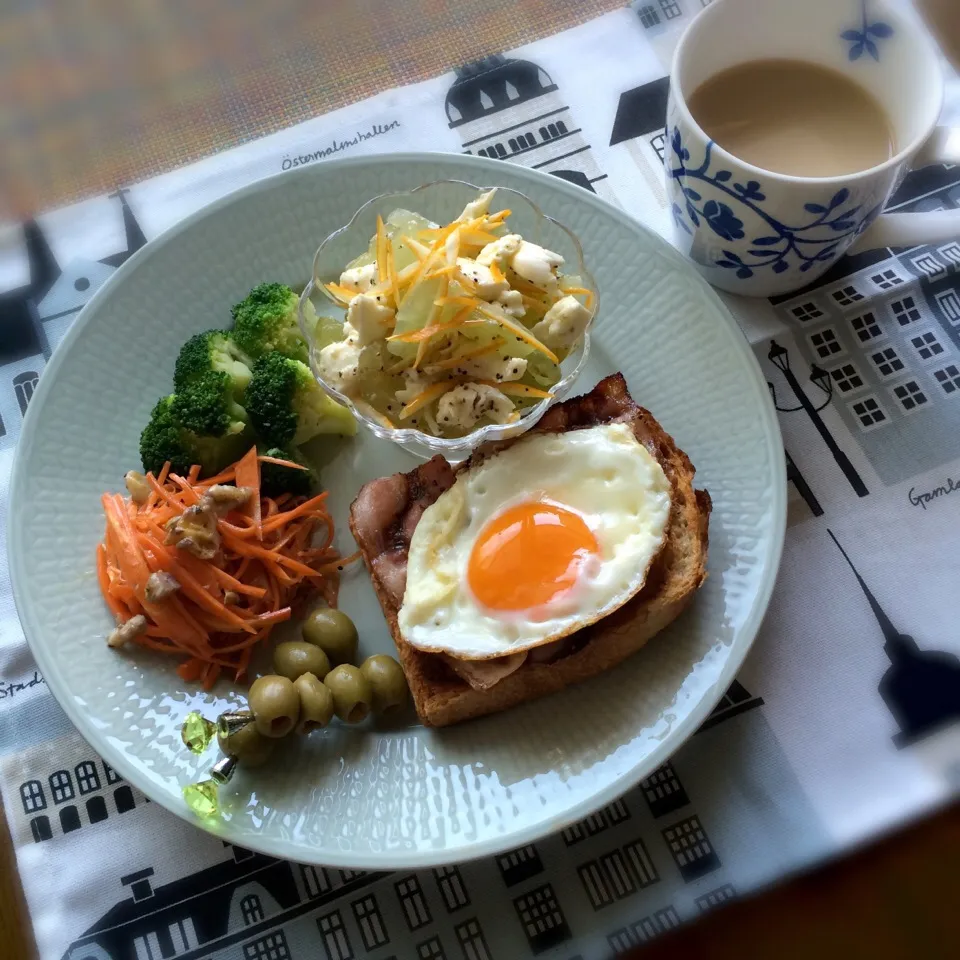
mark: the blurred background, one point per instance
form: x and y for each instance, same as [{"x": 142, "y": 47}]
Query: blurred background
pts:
[{"x": 97, "y": 93}]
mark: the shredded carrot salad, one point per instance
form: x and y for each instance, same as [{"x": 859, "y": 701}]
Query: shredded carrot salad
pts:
[{"x": 271, "y": 553}]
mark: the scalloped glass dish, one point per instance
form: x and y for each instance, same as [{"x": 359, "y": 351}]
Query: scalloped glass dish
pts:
[{"x": 442, "y": 201}]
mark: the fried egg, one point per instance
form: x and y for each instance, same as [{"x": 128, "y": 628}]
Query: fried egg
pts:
[{"x": 535, "y": 543}]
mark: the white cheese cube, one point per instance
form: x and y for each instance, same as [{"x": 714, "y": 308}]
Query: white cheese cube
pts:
[
  {"x": 371, "y": 320},
  {"x": 563, "y": 324},
  {"x": 537, "y": 265},
  {"x": 500, "y": 251},
  {"x": 359, "y": 279},
  {"x": 463, "y": 406},
  {"x": 487, "y": 287}
]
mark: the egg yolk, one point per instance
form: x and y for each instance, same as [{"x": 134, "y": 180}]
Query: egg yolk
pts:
[{"x": 529, "y": 555}]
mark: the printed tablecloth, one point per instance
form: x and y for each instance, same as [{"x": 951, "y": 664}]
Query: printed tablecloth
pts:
[{"x": 845, "y": 719}]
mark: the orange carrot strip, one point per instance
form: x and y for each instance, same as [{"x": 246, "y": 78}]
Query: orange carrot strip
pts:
[
  {"x": 248, "y": 475},
  {"x": 280, "y": 462}
]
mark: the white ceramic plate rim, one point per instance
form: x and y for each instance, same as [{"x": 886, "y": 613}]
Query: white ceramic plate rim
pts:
[{"x": 277, "y": 846}]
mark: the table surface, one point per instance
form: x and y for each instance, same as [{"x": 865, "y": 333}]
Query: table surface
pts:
[{"x": 115, "y": 91}]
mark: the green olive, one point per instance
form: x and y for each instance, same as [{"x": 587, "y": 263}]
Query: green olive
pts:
[
  {"x": 316, "y": 703},
  {"x": 293, "y": 659},
  {"x": 387, "y": 681},
  {"x": 333, "y": 632},
  {"x": 247, "y": 744},
  {"x": 352, "y": 695},
  {"x": 275, "y": 705}
]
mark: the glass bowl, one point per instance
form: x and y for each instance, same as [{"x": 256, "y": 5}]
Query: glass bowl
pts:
[{"x": 442, "y": 201}]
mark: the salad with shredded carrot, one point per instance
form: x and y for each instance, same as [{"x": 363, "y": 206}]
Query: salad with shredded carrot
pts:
[
  {"x": 447, "y": 328},
  {"x": 204, "y": 570}
]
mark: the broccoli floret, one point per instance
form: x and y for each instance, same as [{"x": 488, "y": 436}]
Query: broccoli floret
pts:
[
  {"x": 206, "y": 406},
  {"x": 212, "y": 351},
  {"x": 267, "y": 321},
  {"x": 287, "y": 406},
  {"x": 275, "y": 479},
  {"x": 166, "y": 438}
]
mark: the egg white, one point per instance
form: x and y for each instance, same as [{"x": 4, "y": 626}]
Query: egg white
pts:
[{"x": 602, "y": 473}]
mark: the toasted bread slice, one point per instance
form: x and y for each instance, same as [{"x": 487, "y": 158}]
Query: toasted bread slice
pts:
[{"x": 386, "y": 512}]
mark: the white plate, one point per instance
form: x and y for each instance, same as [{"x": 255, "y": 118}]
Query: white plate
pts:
[{"x": 352, "y": 796}]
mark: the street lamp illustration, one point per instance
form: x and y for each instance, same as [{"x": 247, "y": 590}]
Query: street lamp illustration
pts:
[
  {"x": 920, "y": 687},
  {"x": 780, "y": 357}
]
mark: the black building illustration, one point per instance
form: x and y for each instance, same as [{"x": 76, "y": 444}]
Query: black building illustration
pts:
[
  {"x": 512, "y": 110},
  {"x": 23, "y": 335},
  {"x": 34, "y": 317},
  {"x": 663, "y": 791},
  {"x": 921, "y": 688},
  {"x": 735, "y": 701},
  {"x": 691, "y": 849},
  {"x": 603, "y": 819},
  {"x": 519, "y": 865},
  {"x": 639, "y": 126},
  {"x": 78, "y": 796},
  {"x": 881, "y": 333},
  {"x": 244, "y": 906},
  {"x": 541, "y": 918}
]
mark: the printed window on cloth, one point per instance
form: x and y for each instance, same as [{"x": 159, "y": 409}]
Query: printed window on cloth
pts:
[
  {"x": 927, "y": 345},
  {"x": 87, "y": 778},
  {"x": 648, "y": 16},
  {"x": 887, "y": 279},
  {"x": 621, "y": 940},
  {"x": 847, "y": 295},
  {"x": 869, "y": 413},
  {"x": 670, "y": 9},
  {"x": 887, "y": 361},
  {"x": 643, "y": 868},
  {"x": 251, "y": 909},
  {"x": 714, "y": 897},
  {"x": 910, "y": 396},
  {"x": 866, "y": 327},
  {"x": 334, "y": 936},
  {"x": 315, "y": 879},
  {"x": 370, "y": 922},
  {"x": 949, "y": 304},
  {"x": 929, "y": 265},
  {"x": 951, "y": 251},
  {"x": 414, "y": 904},
  {"x": 271, "y": 947},
  {"x": 905, "y": 311},
  {"x": 31, "y": 795},
  {"x": 806, "y": 311},
  {"x": 111, "y": 774},
  {"x": 62, "y": 786},
  {"x": 595, "y": 884},
  {"x": 825, "y": 343},
  {"x": 948, "y": 378},
  {"x": 347, "y": 875},
  {"x": 471, "y": 939},
  {"x": 450, "y": 885},
  {"x": 846, "y": 378},
  {"x": 431, "y": 949},
  {"x": 659, "y": 143}
]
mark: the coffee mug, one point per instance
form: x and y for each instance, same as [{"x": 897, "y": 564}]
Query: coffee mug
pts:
[{"x": 754, "y": 232}]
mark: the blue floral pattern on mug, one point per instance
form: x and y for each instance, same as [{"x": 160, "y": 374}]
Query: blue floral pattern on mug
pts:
[
  {"x": 827, "y": 232},
  {"x": 862, "y": 40}
]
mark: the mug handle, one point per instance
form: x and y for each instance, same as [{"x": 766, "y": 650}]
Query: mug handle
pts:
[{"x": 912, "y": 229}]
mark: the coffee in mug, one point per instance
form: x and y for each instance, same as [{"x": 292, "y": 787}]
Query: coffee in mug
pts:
[{"x": 793, "y": 117}]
